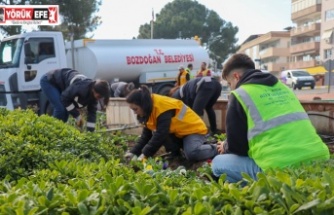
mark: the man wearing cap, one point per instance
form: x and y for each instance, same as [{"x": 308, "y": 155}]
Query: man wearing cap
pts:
[
  {"x": 183, "y": 76},
  {"x": 67, "y": 90}
]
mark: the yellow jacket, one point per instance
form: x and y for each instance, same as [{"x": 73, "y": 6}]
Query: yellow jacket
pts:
[
  {"x": 185, "y": 121},
  {"x": 182, "y": 79}
]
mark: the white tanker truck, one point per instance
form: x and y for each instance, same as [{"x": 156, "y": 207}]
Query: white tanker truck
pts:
[{"x": 26, "y": 57}]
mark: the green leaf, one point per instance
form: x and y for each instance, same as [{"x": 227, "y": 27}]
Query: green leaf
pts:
[
  {"x": 49, "y": 195},
  {"x": 199, "y": 208},
  {"x": 308, "y": 205},
  {"x": 83, "y": 208}
]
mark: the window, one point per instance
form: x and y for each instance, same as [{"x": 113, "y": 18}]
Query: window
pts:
[
  {"x": 328, "y": 53},
  {"x": 39, "y": 49},
  {"x": 329, "y": 14},
  {"x": 10, "y": 51}
]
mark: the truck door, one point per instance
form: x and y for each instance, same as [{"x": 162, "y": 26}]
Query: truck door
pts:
[{"x": 39, "y": 57}]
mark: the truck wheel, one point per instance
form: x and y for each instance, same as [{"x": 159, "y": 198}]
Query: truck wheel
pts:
[
  {"x": 312, "y": 87},
  {"x": 49, "y": 109},
  {"x": 299, "y": 88},
  {"x": 164, "y": 90}
]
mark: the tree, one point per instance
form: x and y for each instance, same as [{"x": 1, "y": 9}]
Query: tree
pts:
[
  {"x": 11, "y": 30},
  {"x": 188, "y": 18},
  {"x": 77, "y": 16}
]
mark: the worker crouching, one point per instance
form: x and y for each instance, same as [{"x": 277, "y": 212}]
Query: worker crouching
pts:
[{"x": 168, "y": 122}]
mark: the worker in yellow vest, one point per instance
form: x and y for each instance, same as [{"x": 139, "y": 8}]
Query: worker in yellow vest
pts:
[
  {"x": 182, "y": 77},
  {"x": 266, "y": 126},
  {"x": 170, "y": 123},
  {"x": 203, "y": 71},
  {"x": 189, "y": 69}
]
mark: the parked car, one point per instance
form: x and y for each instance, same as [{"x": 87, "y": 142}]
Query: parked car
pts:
[{"x": 297, "y": 79}]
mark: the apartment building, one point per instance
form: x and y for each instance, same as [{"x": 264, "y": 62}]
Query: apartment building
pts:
[
  {"x": 270, "y": 51},
  {"x": 327, "y": 29},
  {"x": 305, "y": 36}
]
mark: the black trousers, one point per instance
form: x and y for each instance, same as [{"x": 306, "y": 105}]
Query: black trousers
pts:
[{"x": 206, "y": 97}]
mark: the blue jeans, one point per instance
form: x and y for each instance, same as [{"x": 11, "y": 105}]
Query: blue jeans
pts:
[
  {"x": 233, "y": 165},
  {"x": 54, "y": 96},
  {"x": 195, "y": 149}
]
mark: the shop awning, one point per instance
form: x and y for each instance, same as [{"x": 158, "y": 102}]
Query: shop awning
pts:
[
  {"x": 316, "y": 70},
  {"x": 327, "y": 35}
]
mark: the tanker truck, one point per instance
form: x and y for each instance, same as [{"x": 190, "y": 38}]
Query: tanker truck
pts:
[{"x": 26, "y": 57}]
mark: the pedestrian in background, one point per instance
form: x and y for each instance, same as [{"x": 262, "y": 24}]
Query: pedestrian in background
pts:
[
  {"x": 67, "y": 90},
  {"x": 182, "y": 77},
  {"x": 203, "y": 71},
  {"x": 189, "y": 69},
  {"x": 121, "y": 89}
]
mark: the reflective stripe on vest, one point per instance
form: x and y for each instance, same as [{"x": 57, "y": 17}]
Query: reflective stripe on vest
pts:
[
  {"x": 181, "y": 92},
  {"x": 81, "y": 77},
  {"x": 182, "y": 112},
  {"x": 261, "y": 126}
]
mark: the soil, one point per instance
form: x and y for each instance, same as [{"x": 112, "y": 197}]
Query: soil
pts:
[
  {"x": 176, "y": 161},
  {"x": 182, "y": 161}
]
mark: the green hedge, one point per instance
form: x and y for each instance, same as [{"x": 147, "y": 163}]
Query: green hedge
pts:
[
  {"x": 51, "y": 168},
  {"x": 29, "y": 142}
]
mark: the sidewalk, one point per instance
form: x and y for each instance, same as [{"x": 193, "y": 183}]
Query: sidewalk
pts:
[{"x": 322, "y": 96}]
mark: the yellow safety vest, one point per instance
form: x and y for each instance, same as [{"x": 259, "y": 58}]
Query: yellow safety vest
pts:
[
  {"x": 203, "y": 73},
  {"x": 280, "y": 133},
  {"x": 185, "y": 121},
  {"x": 183, "y": 78}
]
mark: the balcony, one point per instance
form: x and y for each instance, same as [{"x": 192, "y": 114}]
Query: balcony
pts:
[
  {"x": 306, "y": 12},
  {"x": 303, "y": 64},
  {"x": 277, "y": 67},
  {"x": 310, "y": 30},
  {"x": 274, "y": 52},
  {"x": 309, "y": 47}
]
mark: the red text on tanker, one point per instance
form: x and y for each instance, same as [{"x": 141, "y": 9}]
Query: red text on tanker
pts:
[{"x": 157, "y": 59}]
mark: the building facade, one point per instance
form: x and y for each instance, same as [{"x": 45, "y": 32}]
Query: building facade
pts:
[
  {"x": 327, "y": 29},
  {"x": 305, "y": 36},
  {"x": 270, "y": 51}
]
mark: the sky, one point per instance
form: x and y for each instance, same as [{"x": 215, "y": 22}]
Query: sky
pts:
[{"x": 121, "y": 18}]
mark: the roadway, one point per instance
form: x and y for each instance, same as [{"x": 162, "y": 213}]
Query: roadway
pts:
[
  {"x": 321, "y": 92},
  {"x": 304, "y": 93}
]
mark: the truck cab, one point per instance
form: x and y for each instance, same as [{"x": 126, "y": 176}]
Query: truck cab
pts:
[{"x": 24, "y": 59}]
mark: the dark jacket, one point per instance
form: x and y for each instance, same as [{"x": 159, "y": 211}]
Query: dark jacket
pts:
[
  {"x": 79, "y": 92},
  {"x": 150, "y": 142},
  {"x": 236, "y": 119},
  {"x": 118, "y": 89},
  {"x": 190, "y": 89}
]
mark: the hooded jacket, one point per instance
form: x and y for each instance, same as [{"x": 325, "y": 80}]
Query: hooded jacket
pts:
[
  {"x": 76, "y": 92},
  {"x": 236, "y": 119},
  {"x": 190, "y": 89}
]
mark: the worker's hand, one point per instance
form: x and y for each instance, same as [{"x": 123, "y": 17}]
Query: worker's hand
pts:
[
  {"x": 220, "y": 147},
  {"x": 128, "y": 156},
  {"x": 79, "y": 121},
  {"x": 142, "y": 158}
]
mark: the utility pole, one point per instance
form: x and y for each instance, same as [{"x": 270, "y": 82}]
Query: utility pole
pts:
[
  {"x": 152, "y": 23},
  {"x": 330, "y": 62}
]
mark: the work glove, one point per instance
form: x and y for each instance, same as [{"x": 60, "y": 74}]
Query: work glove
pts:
[
  {"x": 79, "y": 121},
  {"x": 142, "y": 158},
  {"x": 128, "y": 156}
]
